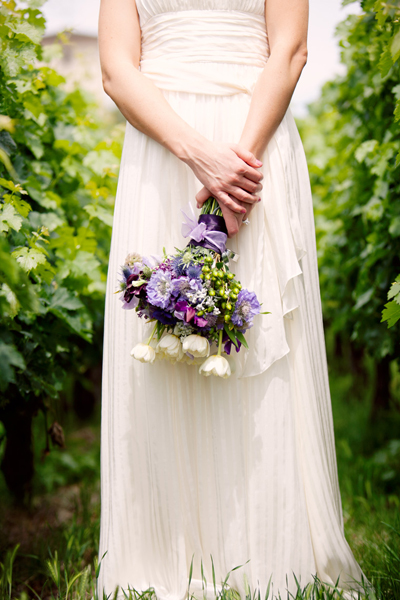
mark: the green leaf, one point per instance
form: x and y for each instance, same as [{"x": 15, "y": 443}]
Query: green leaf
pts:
[
  {"x": 9, "y": 218},
  {"x": 242, "y": 339},
  {"x": 10, "y": 359},
  {"x": 364, "y": 149},
  {"x": 385, "y": 62},
  {"x": 25, "y": 31},
  {"x": 13, "y": 187},
  {"x": 62, "y": 298},
  {"x": 364, "y": 298},
  {"x": 29, "y": 258},
  {"x": 100, "y": 213},
  {"x": 231, "y": 335},
  {"x": 22, "y": 206},
  {"x": 12, "y": 59},
  {"x": 391, "y": 313},
  {"x": 397, "y": 111},
  {"x": 395, "y": 47},
  {"x": 394, "y": 291}
]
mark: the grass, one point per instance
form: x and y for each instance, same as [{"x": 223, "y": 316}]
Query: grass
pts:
[{"x": 50, "y": 551}]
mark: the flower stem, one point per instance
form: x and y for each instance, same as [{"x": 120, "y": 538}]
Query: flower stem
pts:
[
  {"x": 211, "y": 207},
  {"x": 152, "y": 334},
  {"x": 220, "y": 342}
]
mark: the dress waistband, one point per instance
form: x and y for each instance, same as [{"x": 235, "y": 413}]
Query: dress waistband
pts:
[{"x": 218, "y": 52}]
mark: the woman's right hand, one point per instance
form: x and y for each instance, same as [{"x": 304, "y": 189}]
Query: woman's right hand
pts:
[{"x": 229, "y": 172}]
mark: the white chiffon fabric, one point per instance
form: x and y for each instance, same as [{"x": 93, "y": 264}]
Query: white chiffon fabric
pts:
[{"x": 242, "y": 470}]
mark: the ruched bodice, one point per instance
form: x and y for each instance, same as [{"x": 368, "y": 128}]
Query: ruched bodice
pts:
[
  {"x": 205, "y": 48},
  {"x": 151, "y": 8},
  {"x": 219, "y": 36}
]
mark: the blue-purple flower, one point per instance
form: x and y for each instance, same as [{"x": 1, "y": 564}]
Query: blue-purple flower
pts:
[
  {"x": 246, "y": 307},
  {"x": 185, "y": 286},
  {"x": 194, "y": 271},
  {"x": 159, "y": 288}
]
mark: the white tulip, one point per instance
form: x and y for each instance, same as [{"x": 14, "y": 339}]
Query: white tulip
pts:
[
  {"x": 144, "y": 352},
  {"x": 191, "y": 361},
  {"x": 197, "y": 345},
  {"x": 170, "y": 347},
  {"x": 215, "y": 365}
]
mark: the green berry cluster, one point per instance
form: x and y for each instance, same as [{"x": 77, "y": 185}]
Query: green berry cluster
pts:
[{"x": 223, "y": 288}]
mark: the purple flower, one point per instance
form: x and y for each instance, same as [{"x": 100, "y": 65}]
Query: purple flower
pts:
[
  {"x": 246, "y": 307},
  {"x": 185, "y": 286},
  {"x": 178, "y": 266},
  {"x": 152, "y": 261},
  {"x": 159, "y": 288},
  {"x": 190, "y": 313},
  {"x": 161, "y": 315},
  {"x": 211, "y": 320},
  {"x": 194, "y": 271},
  {"x": 228, "y": 344},
  {"x": 200, "y": 322}
]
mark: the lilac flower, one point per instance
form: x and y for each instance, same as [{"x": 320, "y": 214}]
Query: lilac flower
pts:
[
  {"x": 152, "y": 261},
  {"x": 247, "y": 306},
  {"x": 211, "y": 319},
  {"x": 159, "y": 288}
]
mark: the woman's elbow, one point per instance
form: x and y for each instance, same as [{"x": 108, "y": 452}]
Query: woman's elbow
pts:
[
  {"x": 107, "y": 83},
  {"x": 301, "y": 55}
]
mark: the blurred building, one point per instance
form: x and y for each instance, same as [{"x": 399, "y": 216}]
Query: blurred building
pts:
[{"x": 77, "y": 59}]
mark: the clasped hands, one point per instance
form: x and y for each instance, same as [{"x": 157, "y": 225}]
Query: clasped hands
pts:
[{"x": 230, "y": 174}]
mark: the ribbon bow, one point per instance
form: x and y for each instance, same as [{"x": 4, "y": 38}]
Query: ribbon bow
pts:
[{"x": 204, "y": 232}]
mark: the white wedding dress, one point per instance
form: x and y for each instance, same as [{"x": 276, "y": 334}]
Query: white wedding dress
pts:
[{"x": 240, "y": 469}]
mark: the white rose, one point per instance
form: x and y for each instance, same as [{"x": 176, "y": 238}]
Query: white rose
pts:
[
  {"x": 196, "y": 345},
  {"x": 170, "y": 347},
  {"x": 144, "y": 353},
  {"x": 215, "y": 365}
]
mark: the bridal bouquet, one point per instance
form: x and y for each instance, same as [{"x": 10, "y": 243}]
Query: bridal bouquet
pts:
[{"x": 192, "y": 297}]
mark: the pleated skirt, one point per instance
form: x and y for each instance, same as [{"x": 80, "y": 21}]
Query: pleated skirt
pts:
[{"x": 215, "y": 472}]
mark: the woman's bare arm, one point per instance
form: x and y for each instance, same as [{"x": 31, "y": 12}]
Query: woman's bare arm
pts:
[
  {"x": 229, "y": 171},
  {"x": 287, "y": 24}
]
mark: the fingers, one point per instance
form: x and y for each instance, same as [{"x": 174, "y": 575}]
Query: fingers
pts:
[
  {"x": 238, "y": 193},
  {"x": 250, "y": 186},
  {"x": 251, "y": 165},
  {"x": 233, "y": 221},
  {"x": 247, "y": 156},
  {"x": 231, "y": 203},
  {"x": 202, "y": 196}
]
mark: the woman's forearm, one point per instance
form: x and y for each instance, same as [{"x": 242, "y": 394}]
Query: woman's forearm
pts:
[
  {"x": 144, "y": 106},
  {"x": 271, "y": 98},
  {"x": 287, "y": 24}
]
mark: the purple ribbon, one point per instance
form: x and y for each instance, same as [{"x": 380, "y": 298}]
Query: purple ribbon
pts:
[{"x": 209, "y": 231}]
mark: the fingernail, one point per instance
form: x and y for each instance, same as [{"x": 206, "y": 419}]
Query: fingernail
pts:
[
  {"x": 259, "y": 163},
  {"x": 259, "y": 200}
]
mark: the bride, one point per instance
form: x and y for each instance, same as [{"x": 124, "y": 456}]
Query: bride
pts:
[{"x": 210, "y": 472}]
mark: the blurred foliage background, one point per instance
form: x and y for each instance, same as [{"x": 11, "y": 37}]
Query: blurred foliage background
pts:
[{"x": 59, "y": 157}]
